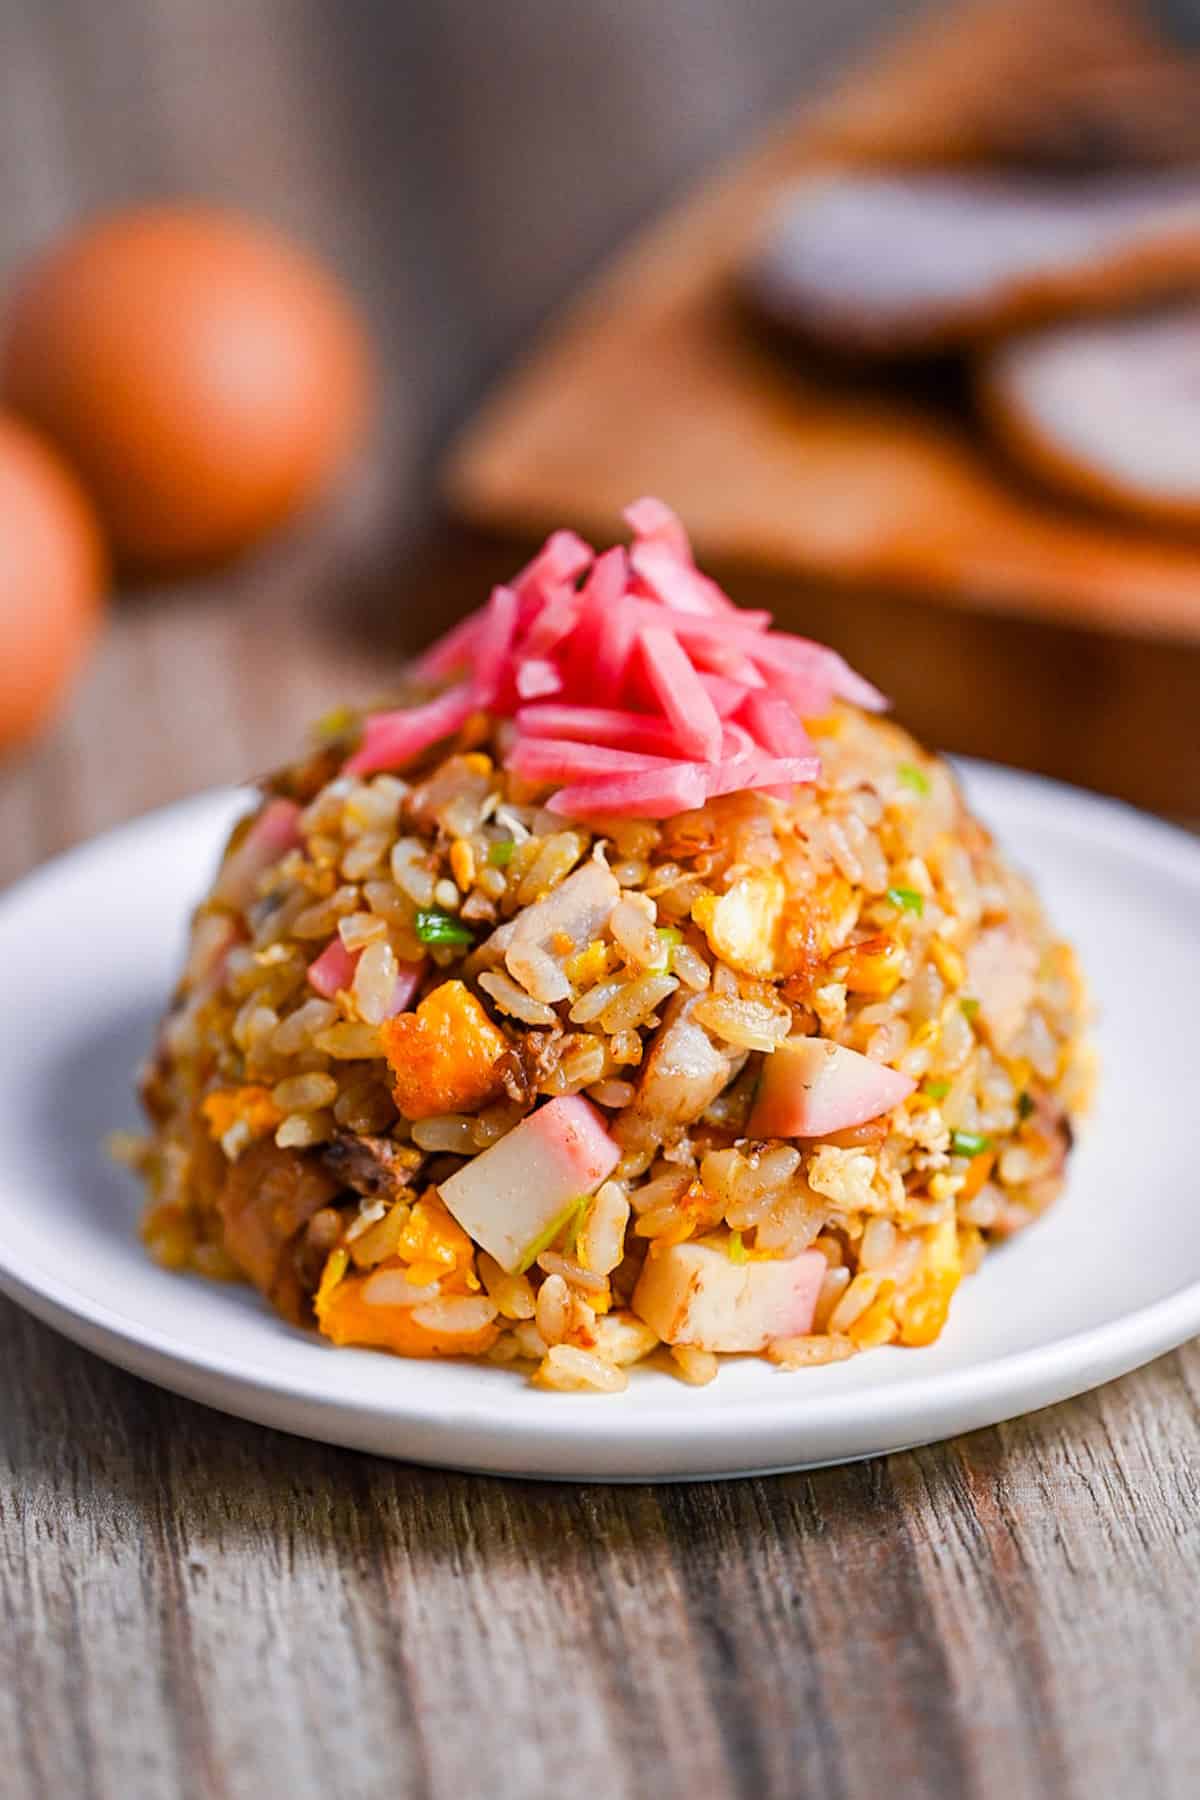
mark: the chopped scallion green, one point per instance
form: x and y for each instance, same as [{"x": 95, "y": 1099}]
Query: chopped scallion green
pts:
[
  {"x": 668, "y": 936},
  {"x": 937, "y": 1090},
  {"x": 970, "y": 1007},
  {"x": 737, "y": 1247},
  {"x": 433, "y": 926},
  {"x": 907, "y": 899},
  {"x": 913, "y": 778},
  {"x": 573, "y": 1224},
  {"x": 969, "y": 1143},
  {"x": 545, "y": 1238},
  {"x": 501, "y": 854}
]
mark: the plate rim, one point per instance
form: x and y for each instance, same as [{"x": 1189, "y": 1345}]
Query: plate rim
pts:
[{"x": 1054, "y": 1371}]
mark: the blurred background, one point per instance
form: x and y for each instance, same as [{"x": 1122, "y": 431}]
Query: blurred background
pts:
[{"x": 458, "y": 174}]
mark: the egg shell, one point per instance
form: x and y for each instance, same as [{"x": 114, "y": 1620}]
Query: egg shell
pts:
[
  {"x": 53, "y": 570},
  {"x": 206, "y": 378}
]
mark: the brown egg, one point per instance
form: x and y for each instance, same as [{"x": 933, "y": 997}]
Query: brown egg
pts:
[
  {"x": 206, "y": 378},
  {"x": 52, "y": 575}
]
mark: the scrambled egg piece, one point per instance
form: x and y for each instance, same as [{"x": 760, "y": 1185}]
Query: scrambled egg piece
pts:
[
  {"x": 846, "y": 1177},
  {"x": 346, "y": 1315},
  {"x": 250, "y": 1106},
  {"x": 743, "y": 925},
  {"x": 924, "y": 1311},
  {"x": 434, "y": 1255},
  {"x": 434, "y": 1244},
  {"x": 589, "y": 965},
  {"x": 445, "y": 1057},
  {"x": 874, "y": 967},
  {"x": 875, "y": 1325}
]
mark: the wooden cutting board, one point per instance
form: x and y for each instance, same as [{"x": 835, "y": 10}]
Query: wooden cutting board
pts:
[{"x": 654, "y": 380}]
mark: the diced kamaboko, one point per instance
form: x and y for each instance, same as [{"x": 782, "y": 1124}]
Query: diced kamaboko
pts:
[
  {"x": 810, "y": 1087},
  {"x": 511, "y": 1197},
  {"x": 273, "y": 833},
  {"x": 694, "y": 1293}
]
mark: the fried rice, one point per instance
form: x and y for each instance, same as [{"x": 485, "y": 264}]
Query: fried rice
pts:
[{"x": 400, "y": 970}]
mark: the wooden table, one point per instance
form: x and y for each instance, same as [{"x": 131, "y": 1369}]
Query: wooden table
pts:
[{"x": 192, "y": 1606}]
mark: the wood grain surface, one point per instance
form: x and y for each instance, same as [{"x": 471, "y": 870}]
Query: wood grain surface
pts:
[{"x": 194, "y": 1607}]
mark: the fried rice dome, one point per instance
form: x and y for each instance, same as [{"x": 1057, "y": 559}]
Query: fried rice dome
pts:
[{"x": 453, "y": 1071}]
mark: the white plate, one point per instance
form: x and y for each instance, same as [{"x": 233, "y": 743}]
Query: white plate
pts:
[{"x": 90, "y": 944}]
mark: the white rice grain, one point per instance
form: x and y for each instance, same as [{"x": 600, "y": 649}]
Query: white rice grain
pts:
[
  {"x": 515, "y": 1001},
  {"x": 571, "y": 1370}
]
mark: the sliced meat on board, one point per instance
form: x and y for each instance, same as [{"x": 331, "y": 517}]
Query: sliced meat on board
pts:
[
  {"x": 890, "y": 263},
  {"x": 1107, "y": 410}
]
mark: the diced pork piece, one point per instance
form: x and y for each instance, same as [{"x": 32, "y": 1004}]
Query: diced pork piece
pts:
[
  {"x": 512, "y": 1197},
  {"x": 573, "y": 914},
  {"x": 811, "y": 1087},
  {"x": 1001, "y": 970},
  {"x": 376, "y": 1167},
  {"x": 537, "y": 942},
  {"x": 693, "y": 1293},
  {"x": 531, "y": 1061},
  {"x": 268, "y": 1196},
  {"x": 683, "y": 1073}
]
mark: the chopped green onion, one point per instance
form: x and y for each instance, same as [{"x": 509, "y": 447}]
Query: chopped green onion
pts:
[
  {"x": 737, "y": 1247},
  {"x": 570, "y": 1213},
  {"x": 437, "y": 927},
  {"x": 907, "y": 899},
  {"x": 573, "y": 1224},
  {"x": 1024, "y": 1106},
  {"x": 969, "y": 1143},
  {"x": 937, "y": 1090},
  {"x": 914, "y": 778},
  {"x": 970, "y": 1007},
  {"x": 501, "y": 854},
  {"x": 668, "y": 936}
]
